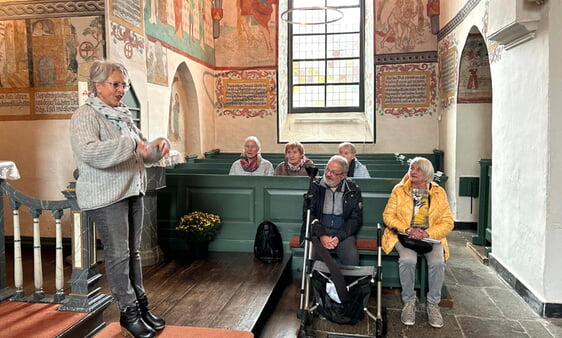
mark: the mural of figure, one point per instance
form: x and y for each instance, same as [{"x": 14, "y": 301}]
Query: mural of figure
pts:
[
  {"x": 153, "y": 11},
  {"x": 72, "y": 52},
  {"x": 408, "y": 36},
  {"x": 380, "y": 8},
  {"x": 162, "y": 11},
  {"x": 202, "y": 20},
  {"x": 46, "y": 72},
  {"x": 178, "y": 26},
  {"x": 150, "y": 65},
  {"x": 174, "y": 124},
  {"x": 159, "y": 72},
  {"x": 393, "y": 25},
  {"x": 402, "y": 28},
  {"x": 43, "y": 27},
  {"x": 421, "y": 17},
  {"x": 260, "y": 11},
  {"x": 191, "y": 27},
  {"x": 472, "y": 79}
]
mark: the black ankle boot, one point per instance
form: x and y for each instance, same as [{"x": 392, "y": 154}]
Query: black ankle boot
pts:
[
  {"x": 149, "y": 318},
  {"x": 133, "y": 325}
]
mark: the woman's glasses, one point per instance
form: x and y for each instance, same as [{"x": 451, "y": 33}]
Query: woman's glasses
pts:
[{"x": 116, "y": 85}]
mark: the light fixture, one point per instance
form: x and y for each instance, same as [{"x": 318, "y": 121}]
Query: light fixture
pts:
[{"x": 311, "y": 15}]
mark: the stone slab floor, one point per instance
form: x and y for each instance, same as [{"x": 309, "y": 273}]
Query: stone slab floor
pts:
[{"x": 483, "y": 306}]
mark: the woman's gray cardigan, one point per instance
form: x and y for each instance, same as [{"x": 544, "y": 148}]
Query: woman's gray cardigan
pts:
[{"x": 109, "y": 168}]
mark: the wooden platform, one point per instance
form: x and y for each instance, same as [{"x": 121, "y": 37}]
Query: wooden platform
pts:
[
  {"x": 170, "y": 331},
  {"x": 227, "y": 290}
]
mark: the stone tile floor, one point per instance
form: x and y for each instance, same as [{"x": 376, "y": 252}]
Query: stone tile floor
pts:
[{"x": 483, "y": 306}]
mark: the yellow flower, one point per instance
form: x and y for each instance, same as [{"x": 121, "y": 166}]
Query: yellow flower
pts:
[{"x": 199, "y": 226}]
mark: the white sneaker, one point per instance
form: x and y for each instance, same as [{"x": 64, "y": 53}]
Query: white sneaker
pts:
[
  {"x": 434, "y": 315},
  {"x": 408, "y": 316}
]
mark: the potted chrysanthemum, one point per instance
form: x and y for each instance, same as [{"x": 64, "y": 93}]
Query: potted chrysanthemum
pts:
[{"x": 198, "y": 229}]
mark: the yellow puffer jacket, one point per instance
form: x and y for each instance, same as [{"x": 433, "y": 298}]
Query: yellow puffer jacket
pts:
[{"x": 400, "y": 207}]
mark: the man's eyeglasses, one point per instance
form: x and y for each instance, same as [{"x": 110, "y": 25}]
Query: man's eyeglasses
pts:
[
  {"x": 116, "y": 85},
  {"x": 328, "y": 170}
]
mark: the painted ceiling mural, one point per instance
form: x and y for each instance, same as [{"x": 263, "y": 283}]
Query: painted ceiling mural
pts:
[{"x": 185, "y": 26}]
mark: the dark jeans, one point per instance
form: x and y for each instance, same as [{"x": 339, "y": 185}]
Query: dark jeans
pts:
[{"x": 119, "y": 227}]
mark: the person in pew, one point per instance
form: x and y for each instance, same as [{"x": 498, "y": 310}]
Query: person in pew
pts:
[
  {"x": 338, "y": 206},
  {"x": 295, "y": 163},
  {"x": 110, "y": 154},
  {"x": 419, "y": 207},
  {"x": 251, "y": 162},
  {"x": 356, "y": 168}
]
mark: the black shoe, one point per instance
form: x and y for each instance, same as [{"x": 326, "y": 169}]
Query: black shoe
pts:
[
  {"x": 149, "y": 318},
  {"x": 133, "y": 325}
]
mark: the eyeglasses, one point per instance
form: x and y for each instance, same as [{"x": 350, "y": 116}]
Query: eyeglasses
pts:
[
  {"x": 328, "y": 170},
  {"x": 116, "y": 85}
]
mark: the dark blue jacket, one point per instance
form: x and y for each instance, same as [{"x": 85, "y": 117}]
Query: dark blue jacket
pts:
[{"x": 352, "y": 209}]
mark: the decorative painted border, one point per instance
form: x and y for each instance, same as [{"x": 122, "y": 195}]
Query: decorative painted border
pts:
[
  {"x": 33, "y": 9},
  {"x": 407, "y": 111},
  {"x": 388, "y": 59},
  {"x": 130, "y": 40},
  {"x": 269, "y": 75},
  {"x": 449, "y": 44},
  {"x": 458, "y": 19}
]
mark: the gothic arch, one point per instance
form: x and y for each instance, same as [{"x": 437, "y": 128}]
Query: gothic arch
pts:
[
  {"x": 473, "y": 121},
  {"x": 184, "y": 123}
]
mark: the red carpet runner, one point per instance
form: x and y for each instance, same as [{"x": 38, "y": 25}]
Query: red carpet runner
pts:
[
  {"x": 20, "y": 319},
  {"x": 113, "y": 330}
]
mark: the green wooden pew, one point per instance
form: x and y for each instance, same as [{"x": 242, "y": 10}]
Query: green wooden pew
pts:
[{"x": 243, "y": 202}]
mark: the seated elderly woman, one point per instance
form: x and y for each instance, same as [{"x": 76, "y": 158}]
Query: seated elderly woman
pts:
[
  {"x": 295, "y": 163},
  {"x": 419, "y": 208},
  {"x": 251, "y": 162},
  {"x": 356, "y": 169}
]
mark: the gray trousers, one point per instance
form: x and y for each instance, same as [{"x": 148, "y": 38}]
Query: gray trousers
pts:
[
  {"x": 119, "y": 227},
  {"x": 436, "y": 272}
]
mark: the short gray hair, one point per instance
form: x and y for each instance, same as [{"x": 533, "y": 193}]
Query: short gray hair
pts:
[
  {"x": 348, "y": 145},
  {"x": 425, "y": 166},
  {"x": 341, "y": 160},
  {"x": 101, "y": 70}
]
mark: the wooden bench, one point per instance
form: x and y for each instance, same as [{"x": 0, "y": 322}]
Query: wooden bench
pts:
[{"x": 245, "y": 201}]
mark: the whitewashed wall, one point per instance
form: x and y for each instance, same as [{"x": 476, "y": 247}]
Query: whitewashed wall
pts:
[
  {"x": 525, "y": 152},
  {"x": 553, "y": 231}
]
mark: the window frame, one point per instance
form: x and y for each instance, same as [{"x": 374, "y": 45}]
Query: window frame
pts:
[{"x": 291, "y": 109}]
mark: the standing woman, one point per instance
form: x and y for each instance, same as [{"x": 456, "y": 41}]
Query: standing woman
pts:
[
  {"x": 295, "y": 163},
  {"x": 251, "y": 162},
  {"x": 110, "y": 153},
  {"x": 419, "y": 207}
]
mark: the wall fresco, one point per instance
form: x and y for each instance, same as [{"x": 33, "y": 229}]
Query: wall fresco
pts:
[
  {"x": 406, "y": 89},
  {"x": 236, "y": 98}
]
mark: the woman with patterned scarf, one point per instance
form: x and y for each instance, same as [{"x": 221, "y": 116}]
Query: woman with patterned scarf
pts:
[
  {"x": 251, "y": 163},
  {"x": 295, "y": 163},
  {"x": 110, "y": 153}
]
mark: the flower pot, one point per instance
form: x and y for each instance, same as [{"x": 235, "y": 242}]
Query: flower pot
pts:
[{"x": 197, "y": 250}]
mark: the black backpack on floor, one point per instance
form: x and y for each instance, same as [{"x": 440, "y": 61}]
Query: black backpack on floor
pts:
[{"x": 268, "y": 246}]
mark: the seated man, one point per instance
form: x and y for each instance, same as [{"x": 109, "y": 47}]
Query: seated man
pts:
[{"x": 337, "y": 204}]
